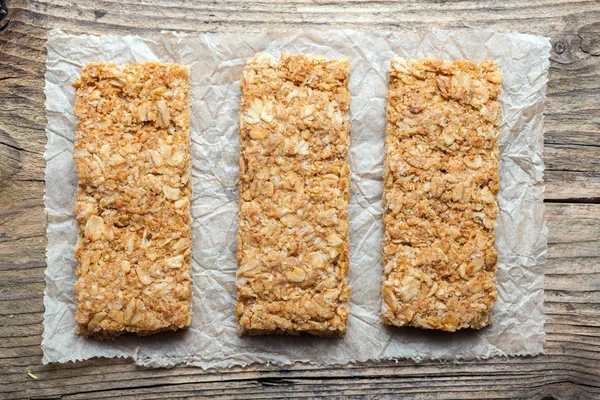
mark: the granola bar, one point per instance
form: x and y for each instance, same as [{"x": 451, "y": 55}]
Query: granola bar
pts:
[
  {"x": 440, "y": 188},
  {"x": 132, "y": 154},
  {"x": 294, "y": 192}
]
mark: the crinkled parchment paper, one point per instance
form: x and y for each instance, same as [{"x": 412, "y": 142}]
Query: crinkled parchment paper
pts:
[{"x": 217, "y": 62}]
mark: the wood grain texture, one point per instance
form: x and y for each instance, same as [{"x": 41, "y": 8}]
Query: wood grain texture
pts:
[{"x": 570, "y": 365}]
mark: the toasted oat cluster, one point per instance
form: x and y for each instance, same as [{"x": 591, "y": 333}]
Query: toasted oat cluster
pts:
[
  {"x": 132, "y": 155},
  {"x": 440, "y": 188},
  {"x": 294, "y": 192}
]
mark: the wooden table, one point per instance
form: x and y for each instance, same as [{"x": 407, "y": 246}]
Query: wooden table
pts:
[{"x": 570, "y": 366}]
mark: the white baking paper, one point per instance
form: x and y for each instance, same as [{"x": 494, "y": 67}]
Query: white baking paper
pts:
[{"x": 217, "y": 62}]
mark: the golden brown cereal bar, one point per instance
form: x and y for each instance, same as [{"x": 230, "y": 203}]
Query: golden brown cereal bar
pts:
[
  {"x": 440, "y": 188},
  {"x": 294, "y": 192},
  {"x": 132, "y": 154}
]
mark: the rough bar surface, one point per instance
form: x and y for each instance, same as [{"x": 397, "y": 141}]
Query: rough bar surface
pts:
[
  {"x": 133, "y": 203},
  {"x": 440, "y": 188},
  {"x": 294, "y": 192}
]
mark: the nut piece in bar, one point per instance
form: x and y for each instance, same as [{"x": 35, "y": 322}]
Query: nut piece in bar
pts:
[
  {"x": 440, "y": 189},
  {"x": 132, "y": 153},
  {"x": 294, "y": 192}
]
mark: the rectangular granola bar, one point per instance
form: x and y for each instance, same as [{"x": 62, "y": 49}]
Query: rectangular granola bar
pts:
[
  {"x": 294, "y": 192},
  {"x": 440, "y": 188},
  {"x": 132, "y": 154}
]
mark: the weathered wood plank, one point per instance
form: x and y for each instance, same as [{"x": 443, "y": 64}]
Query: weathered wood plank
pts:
[{"x": 572, "y": 350}]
